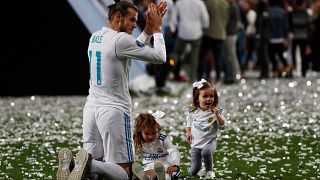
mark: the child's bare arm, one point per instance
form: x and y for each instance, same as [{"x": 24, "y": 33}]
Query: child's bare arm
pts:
[{"x": 188, "y": 135}]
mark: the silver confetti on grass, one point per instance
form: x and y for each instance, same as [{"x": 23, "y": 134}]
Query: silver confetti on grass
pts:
[{"x": 272, "y": 124}]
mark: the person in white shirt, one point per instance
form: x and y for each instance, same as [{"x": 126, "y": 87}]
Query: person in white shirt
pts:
[
  {"x": 154, "y": 149},
  {"x": 106, "y": 114},
  {"x": 192, "y": 18},
  {"x": 203, "y": 122}
]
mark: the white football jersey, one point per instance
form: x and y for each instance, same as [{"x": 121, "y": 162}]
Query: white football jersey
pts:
[
  {"x": 110, "y": 53},
  {"x": 161, "y": 150},
  {"x": 204, "y": 127}
]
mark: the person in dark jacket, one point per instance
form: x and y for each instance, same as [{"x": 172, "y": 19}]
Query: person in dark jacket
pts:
[
  {"x": 263, "y": 33},
  {"x": 315, "y": 36},
  {"x": 279, "y": 37},
  {"x": 299, "y": 26}
]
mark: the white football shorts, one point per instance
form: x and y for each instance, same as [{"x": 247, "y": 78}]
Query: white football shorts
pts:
[{"x": 107, "y": 133}]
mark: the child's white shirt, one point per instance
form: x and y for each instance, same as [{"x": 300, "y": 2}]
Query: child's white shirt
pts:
[
  {"x": 161, "y": 150},
  {"x": 204, "y": 127}
]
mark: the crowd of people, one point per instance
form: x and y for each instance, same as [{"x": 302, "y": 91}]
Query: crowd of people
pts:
[
  {"x": 231, "y": 37},
  {"x": 224, "y": 36}
]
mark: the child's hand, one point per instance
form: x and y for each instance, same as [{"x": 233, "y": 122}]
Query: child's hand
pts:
[
  {"x": 172, "y": 169},
  {"x": 188, "y": 138},
  {"x": 220, "y": 118},
  {"x": 215, "y": 110}
]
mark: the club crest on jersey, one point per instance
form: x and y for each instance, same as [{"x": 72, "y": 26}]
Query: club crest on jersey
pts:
[{"x": 139, "y": 43}]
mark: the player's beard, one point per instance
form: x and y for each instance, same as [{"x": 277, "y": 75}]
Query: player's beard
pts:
[{"x": 123, "y": 28}]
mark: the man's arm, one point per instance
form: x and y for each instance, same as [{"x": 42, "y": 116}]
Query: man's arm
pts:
[
  {"x": 153, "y": 21},
  {"x": 144, "y": 38},
  {"x": 135, "y": 49},
  {"x": 130, "y": 48}
]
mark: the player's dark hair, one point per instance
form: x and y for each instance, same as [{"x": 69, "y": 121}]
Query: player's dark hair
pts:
[{"x": 120, "y": 6}]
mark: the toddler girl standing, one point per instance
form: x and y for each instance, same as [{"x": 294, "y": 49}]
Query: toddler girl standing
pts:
[{"x": 204, "y": 119}]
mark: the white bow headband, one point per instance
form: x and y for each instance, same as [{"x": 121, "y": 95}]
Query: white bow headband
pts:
[
  {"x": 157, "y": 116},
  {"x": 199, "y": 84}
]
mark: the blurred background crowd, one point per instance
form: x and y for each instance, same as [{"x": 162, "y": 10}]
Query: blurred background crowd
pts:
[{"x": 221, "y": 40}]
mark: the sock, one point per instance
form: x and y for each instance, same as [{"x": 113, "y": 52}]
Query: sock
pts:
[
  {"x": 176, "y": 174},
  {"x": 109, "y": 170}
]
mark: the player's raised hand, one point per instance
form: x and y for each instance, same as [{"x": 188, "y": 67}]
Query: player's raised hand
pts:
[
  {"x": 153, "y": 19},
  {"x": 162, "y": 8}
]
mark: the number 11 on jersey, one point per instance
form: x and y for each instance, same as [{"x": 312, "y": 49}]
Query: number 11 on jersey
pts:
[{"x": 95, "y": 67}]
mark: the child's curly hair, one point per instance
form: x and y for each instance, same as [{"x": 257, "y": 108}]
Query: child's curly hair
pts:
[
  {"x": 142, "y": 121},
  {"x": 195, "y": 96}
]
